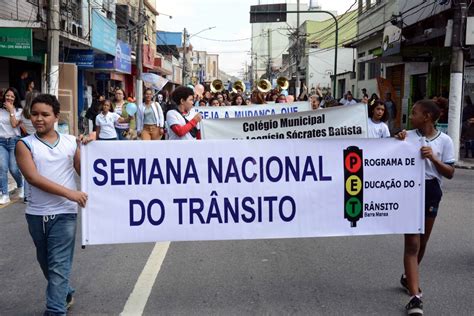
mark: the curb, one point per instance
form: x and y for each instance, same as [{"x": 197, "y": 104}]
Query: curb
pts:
[{"x": 464, "y": 166}]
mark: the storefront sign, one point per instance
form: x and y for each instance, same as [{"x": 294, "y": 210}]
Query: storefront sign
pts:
[
  {"x": 104, "y": 34},
  {"x": 83, "y": 58},
  {"x": 391, "y": 40},
  {"x": 122, "y": 62},
  {"x": 16, "y": 42},
  {"x": 148, "y": 56},
  {"x": 123, "y": 58}
]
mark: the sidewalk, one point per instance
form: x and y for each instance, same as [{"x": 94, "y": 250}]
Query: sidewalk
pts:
[{"x": 465, "y": 163}]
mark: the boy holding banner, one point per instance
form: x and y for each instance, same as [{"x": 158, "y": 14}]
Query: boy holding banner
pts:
[{"x": 48, "y": 160}]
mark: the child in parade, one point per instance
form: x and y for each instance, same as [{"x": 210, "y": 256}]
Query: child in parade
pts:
[
  {"x": 48, "y": 160},
  {"x": 183, "y": 119},
  {"x": 439, "y": 158},
  {"x": 106, "y": 121},
  {"x": 377, "y": 128}
]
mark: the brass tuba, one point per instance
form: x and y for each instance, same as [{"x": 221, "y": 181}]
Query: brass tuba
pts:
[
  {"x": 264, "y": 85},
  {"x": 283, "y": 83},
  {"x": 217, "y": 86},
  {"x": 239, "y": 84}
]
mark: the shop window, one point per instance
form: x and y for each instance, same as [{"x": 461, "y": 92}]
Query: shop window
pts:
[
  {"x": 374, "y": 70},
  {"x": 361, "y": 71}
]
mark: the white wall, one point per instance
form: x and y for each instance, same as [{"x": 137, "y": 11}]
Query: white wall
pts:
[{"x": 321, "y": 65}]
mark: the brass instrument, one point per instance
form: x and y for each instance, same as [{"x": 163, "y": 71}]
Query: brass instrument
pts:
[
  {"x": 239, "y": 84},
  {"x": 264, "y": 85},
  {"x": 283, "y": 83},
  {"x": 217, "y": 86}
]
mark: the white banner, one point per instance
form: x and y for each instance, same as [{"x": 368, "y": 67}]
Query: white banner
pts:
[
  {"x": 234, "y": 111},
  {"x": 336, "y": 122},
  {"x": 143, "y": 191}
]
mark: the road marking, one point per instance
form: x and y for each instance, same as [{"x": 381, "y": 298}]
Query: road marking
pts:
[{"x": 137, "y": 300}]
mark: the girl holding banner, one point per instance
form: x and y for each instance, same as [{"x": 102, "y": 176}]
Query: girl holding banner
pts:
[{"x": 439, "y": 159}]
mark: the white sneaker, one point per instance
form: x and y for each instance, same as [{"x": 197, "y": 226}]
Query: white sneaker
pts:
[
  {"x": 21, "y": 192},
  {"x": 5, "y": 199}
]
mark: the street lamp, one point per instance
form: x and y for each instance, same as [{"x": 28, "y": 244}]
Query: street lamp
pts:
[{"x": 187, "y": 37}]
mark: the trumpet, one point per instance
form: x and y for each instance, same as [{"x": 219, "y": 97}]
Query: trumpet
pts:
[
  {"x": 264, "y": 85},
  {"x": 283, "y": 83},
  {"x": 238, "y": 85},
  {"x": 217, "y": 86}
]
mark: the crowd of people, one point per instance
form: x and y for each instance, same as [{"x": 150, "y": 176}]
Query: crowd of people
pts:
[{"x": 30, "y": 147}]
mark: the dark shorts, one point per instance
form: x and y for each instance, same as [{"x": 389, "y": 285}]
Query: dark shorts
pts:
[{"x": 433, "y": 196}]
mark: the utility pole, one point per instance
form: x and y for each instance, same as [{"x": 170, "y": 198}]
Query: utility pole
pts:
[
  {"x": 184, "y": 56},
  {"x": 457, "y": 71},
  {"x": 256, "y": 68},
  {"x": 141, "y": 26},
  {"x": 298, "y": 57},
  {"x": 269, "y": 66},
  {"x": 53, "y": 48}
]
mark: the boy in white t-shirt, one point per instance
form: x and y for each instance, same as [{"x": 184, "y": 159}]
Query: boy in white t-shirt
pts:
[
  {"x": 49, "y": 161},
  {"x": 183, "y": 119}
]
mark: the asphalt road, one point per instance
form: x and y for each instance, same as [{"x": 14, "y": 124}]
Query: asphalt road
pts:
[{"x": 314, "y": 276}]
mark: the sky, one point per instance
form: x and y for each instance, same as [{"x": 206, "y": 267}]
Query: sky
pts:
[{"x": 231, "y": 21}]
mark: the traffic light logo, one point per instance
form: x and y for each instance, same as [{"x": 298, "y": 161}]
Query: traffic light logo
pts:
[{"x": 353, "y": 185}]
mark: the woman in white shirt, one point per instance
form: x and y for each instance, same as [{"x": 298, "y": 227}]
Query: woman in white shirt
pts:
[
  {"x": 10, "y": 119},
  {"x": 150, "y": 118},
  {"x": 106, "y": 121}
]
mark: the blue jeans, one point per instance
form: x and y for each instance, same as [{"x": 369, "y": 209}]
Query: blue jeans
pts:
[
  {"x": 120, "y": 133},
  {"x": 8, "y": 161},
  {"x": 54, "y": 238}
]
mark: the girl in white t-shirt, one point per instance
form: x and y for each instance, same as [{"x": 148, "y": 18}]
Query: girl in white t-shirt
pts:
[
  {"x": 439, "y": 159},
  {"x": 106, "y": 120},
  {"x": 377, "y": 117}
]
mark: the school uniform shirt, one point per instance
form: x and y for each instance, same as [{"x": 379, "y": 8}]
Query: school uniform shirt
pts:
[
  {"x": 443, "y": 149},
  {"x": 56, "y": 163},
  {"x": 377, "y": 130},
  {"x": 173, "y": 117},
  {"x": 6, "y": 129},
  {"x": 107, "y": 125}
]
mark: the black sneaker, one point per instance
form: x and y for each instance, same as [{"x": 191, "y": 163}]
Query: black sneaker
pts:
[
  {"x": 415, "y": 307},
  {"x": 404, "y": 284},
  {"x": 69, "y": 301}
]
